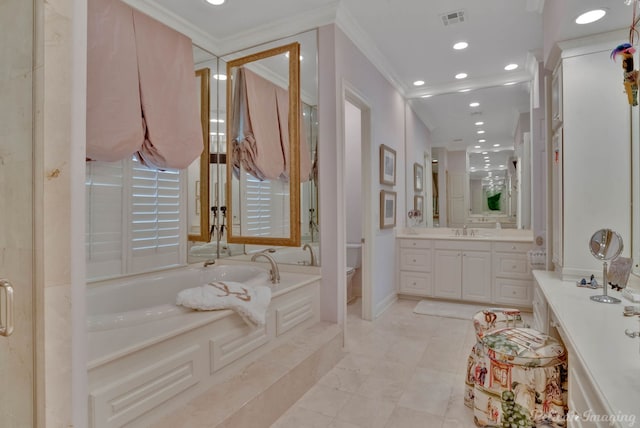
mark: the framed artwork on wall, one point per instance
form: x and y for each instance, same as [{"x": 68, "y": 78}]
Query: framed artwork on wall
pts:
[
  {"x": 418, "y": 177},
  {"x": 387, "y": 165},
  {"x": 387, "y": 209}
]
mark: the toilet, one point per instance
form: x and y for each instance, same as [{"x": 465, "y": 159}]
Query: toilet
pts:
[{"x": 354, "y": 255}]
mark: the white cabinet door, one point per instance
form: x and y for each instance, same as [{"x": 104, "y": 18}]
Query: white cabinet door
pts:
[
  {"x": 476, "y": 276},
  {"x": 448, "y": 274}
]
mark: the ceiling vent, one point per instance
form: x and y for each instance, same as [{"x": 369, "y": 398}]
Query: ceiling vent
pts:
[{"x": 451, "y": 18}]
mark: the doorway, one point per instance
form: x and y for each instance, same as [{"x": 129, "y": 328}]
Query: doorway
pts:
[
  {"x": 357, "y": 181},
  {"x": 17, "y": 354}
]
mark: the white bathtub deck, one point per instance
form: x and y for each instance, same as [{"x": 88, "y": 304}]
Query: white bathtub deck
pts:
[{"x": 265, "y": 389}]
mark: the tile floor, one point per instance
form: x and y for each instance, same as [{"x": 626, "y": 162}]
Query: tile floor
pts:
[{"x": 403, "y": 370}]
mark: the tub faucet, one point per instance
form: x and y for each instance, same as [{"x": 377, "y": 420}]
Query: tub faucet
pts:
[
  {"x": 209, "y": 262},
  {"x": 275, "y": 273},
  {"x": 313, "y": 255}
]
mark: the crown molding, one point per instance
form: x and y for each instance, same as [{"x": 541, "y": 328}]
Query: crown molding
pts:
[
  {"x": 363, "y": 42},
  {"x": 593, "y": 43},
  {"x": 279, "y": 29},
  {"x": 473, "y": 84},
  {"x": 197, "y": 36}
]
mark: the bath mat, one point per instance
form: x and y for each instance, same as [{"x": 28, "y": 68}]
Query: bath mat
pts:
[{"x": 436, "y": 308}]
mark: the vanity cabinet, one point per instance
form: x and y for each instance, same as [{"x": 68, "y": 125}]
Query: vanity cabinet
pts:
[
  {"x": 415, "y": 260},
  {"x": 513, "y": 282},
  {"x": 463, "y": 270},
  {"x": 475, "y": 270}
]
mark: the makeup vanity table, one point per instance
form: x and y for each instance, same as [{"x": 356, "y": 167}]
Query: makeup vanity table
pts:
[{"x": 604, "y": 364}]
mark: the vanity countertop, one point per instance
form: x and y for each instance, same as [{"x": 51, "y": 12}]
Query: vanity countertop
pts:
[
  {"x": 500, "y": 235},
  {"x": 595, "y": 331}
]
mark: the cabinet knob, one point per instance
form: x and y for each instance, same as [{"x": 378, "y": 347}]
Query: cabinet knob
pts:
[
  {"x": 513, "y": 267},
  {"x": 414, "y": 260},
  {"x": 513, "y": 247}
]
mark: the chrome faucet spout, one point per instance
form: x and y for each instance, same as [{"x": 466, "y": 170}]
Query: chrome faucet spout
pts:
[
  {"x": 275, "y": 272},
  {"x": 209, "y": 262},
  {"x": 464, "y": 230},
  {"x": 313, "y": 261}
]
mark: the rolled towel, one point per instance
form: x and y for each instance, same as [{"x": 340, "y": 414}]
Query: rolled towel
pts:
[{"x": 250, "y": 302}]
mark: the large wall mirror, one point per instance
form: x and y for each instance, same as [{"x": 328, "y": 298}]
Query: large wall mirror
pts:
[
  {"x": 224, "y": 221},
  {"x": 263, "y": 147}
]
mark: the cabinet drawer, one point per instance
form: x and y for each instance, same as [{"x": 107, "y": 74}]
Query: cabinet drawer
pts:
[
  {"x": 415, "y": 243},
  {"x": 416, "y": 260},
  {"x": 417, "y": 283},
  {"x": 466, "y": 245},
  {"x": 511, "y": 265},
  {"x": 513, "y": 291},
  {"x": 512, "y": 247}
]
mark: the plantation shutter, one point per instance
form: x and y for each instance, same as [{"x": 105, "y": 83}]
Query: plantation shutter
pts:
[{"x": 266, "y": 209}]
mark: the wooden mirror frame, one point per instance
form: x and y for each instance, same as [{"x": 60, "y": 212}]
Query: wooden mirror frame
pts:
[
  {"x": 204, "y": 76},
  {"x": 293, "y": 240}
]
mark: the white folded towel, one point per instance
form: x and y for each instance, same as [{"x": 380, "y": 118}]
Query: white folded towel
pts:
[{"x": 250, "y": 302}]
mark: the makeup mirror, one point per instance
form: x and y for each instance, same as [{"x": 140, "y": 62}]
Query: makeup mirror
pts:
[{"x": 605, "y": 245}]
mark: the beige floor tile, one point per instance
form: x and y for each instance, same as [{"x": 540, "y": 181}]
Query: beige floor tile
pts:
[
  {"x": 366, "y": 412},
  {"x": 406, "y": 351},
  {"x": 343, "y": 379},
  {"x": 341, "y": 424},
  {"x": 383, "y": 389},
  {"x": 298, "y": 417},
  {"x": 409, "y": 418},
  {"x": 359, "y": 363},
  {"x": 428, "y": 391},
  {"x": 325, "y": 400}
]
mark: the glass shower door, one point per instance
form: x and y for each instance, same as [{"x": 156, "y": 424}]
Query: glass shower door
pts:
[{"x": 16, "y": 215}]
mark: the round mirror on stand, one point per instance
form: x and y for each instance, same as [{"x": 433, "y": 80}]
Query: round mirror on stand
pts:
[{"x": 605, "y": 245}]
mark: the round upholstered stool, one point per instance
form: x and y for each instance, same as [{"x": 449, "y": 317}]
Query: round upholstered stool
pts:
[
  {"x": 519, "y": 379},
  {"x": 484, "y": 322}
]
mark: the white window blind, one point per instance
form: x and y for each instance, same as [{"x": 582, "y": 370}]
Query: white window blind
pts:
[
  {"x": 266, "y": 207},
  {"x": 134, "y": 220}
]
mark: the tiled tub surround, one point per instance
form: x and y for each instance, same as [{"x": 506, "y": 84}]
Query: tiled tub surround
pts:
[
  {"x": 144, "y": 371},
  {"x": 490, "y": 266}
]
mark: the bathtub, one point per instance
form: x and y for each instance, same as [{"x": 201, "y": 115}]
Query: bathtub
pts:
[
  {"x": 152, "y": 297},
  {"x": 147, "y": 356}
]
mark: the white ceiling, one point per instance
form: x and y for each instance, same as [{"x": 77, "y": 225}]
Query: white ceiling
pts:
[{"x": 407, "y": 40}]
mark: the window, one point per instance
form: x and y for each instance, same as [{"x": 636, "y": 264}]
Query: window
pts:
[
  {"x": 265, "y": 208},
  {"x": 134, "y": 222}
]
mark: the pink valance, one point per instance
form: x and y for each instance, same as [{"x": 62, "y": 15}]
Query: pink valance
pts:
[
  {"x": 260, "y": 129},
  {"x": 141, "y": 92}
]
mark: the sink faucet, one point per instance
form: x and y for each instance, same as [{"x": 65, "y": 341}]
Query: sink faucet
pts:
[
  {"x": 275, "y": 273},
  {"x": 464, "y": 230},
  {"x": 313, "y": 255}
]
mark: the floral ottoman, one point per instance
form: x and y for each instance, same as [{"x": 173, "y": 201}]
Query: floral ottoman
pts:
[{"x": 518, "y": 378}]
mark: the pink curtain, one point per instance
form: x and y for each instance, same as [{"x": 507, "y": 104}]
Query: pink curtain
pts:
[
  {"x": 141, "y": 93},
  {"x": 282, "y": 96},
  {"x": 114, "y": 120},
  {"x": 168, "y": 94}
]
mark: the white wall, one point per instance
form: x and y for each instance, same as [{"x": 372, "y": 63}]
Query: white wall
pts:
[
  {"x": 353, "y": 173},
  {"x": 343, "y": 66},
  {"x": 597, "y": 154}
]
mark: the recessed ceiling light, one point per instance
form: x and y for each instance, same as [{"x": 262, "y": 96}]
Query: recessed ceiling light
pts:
[
  {"x": 474, "y": 104},
  {"x": 484, "y": 153},
  {"x": 220, "y": 76},
  {"x": 487, "y": 166},
  {"x": 591, "y": 16},
  {"x": 418, "y": 83},
  {"x": 217, "y": 120},
  {"x": 461, "y": 76},
  {"x": 426, "y": 96},
  {"x": 215, "y": 2},
  {"x": 464, "y": 90},
  {"x": 509, "y": 83},
  {"x": 501, "y": 166},
  {"x": 479, "y": 123},
  {"x": 496, "y": 145},
  {"x": 482, "y": 140},
  {"x": 460, "y": 45},
  {"x": 287, "y": 56},
  {"x": 510, "y": 67},
  {"x": 486, "y": 157},
  {"x": 481, "y": 132},
  {"x": 476, "y": 147}
]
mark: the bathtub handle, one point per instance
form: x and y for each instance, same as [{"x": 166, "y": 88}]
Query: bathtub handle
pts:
[{"x": 6, "y": 325}]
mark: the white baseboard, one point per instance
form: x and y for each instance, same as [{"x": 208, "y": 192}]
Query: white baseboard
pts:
[{"x": 385, "y": 304}]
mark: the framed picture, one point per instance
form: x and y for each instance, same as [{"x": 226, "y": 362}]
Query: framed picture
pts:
[
  {"x": 418, "y": 177},
  {"x": 387, "y": 165},
  {"x": 387, "y": 209},
  {"x": 418, "y": 205}
]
